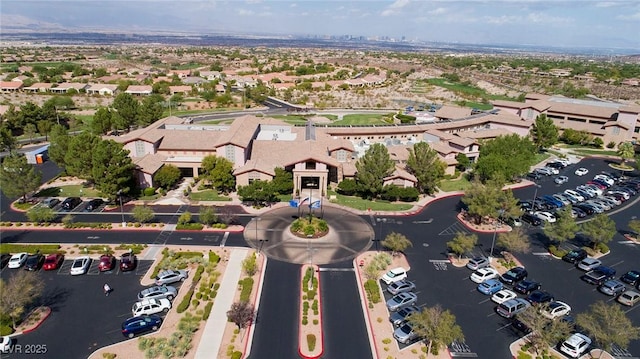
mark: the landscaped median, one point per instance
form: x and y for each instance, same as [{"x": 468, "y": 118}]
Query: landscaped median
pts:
[{"x": 310, "y": 339}]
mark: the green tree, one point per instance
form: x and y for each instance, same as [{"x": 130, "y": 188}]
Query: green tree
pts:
[
  {"x": 257, "y": 192},
  {"x": 17, "y": 177},
  {"x": 544, "y": 132},
  {"x": 396, "y": 242},
  {"x": 372, "y": 168},
  {"x": 112, "y": 168},
  {"x": 437, "y": 326},
  {"x": 59, "y": 145},
  {"x": 79, "y": 157},
  {"x": 150, "y": 110},
  {"x": 30, "y": 131},
  {"x": 634, "y": 225},
  {"x": 626, "y": 151},
  {"x": 504, "y": 158},
  {"x": 7, "y": 141},
  {"x": 22, "y": 289},
  {"x": 544, "y": 331},
  {"x": 488, "y": 200},
  {"x": 44, "y": 127},
  {"x": 600, "y": 229},
  {"x": 41, "y": 214},
  {"x": 208, "y": 215},
  {"x": 463, "y": 162},
  {"x": 177, "y": 99},
  {"x": 126, "y": 111},
  {"x": 282, "y": 182},
  {"x": 167, "y": 176},
  {"x": 515, "y": 241},
  {"x": 462, "y": 243},
  {"x": 142, "y": 214},
  {"x": 102, "y": 121},
  {"x": 565, "y": 227},
  {"x": 221, "y": 176},
  {"x": 348, "y": 187},
  {"x": 426, "y": 166},
  {"x": 608, "y": 325},
  {"x": 250, "y": 265}
]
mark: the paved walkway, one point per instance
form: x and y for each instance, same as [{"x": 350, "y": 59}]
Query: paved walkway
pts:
[{"x": 214, "y": 328}]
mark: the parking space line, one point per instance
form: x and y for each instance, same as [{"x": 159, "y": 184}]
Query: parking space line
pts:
[
  {"x": 613, "y": 265},
  {"x": 504, "y": 326},
  {"x": 484, "y": 301},
  {"x": 632, "y": 308},
  {"x": 491, "y": 315}
]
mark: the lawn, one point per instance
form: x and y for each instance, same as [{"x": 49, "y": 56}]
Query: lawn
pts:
[
  {"x": 361, "y": 119},
  {"x": 226, "y": 121},
  {"x": 590, "y": 152},
  {"x": 539, "y": 157},
  {"x": 292, "y": 119},
  {"x": 208, "y": 195},
  {"x": 75, "y": 190},
  {"x": 458, "y": 184},
  {"x": 363, "y": 204}
]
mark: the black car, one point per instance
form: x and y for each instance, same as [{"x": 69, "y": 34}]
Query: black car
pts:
[
  {"x": 526, "y": 286},
  {"x": 587, "y": 208},
  {"x": 71, "y": 203},
  {"x": 514, "y": 275},
  {"x": 520, "y": 326},
  {"x": 137, "y": 325},
  {"x": 34, "y": 262},
  {"x": 525, "y": 205},
  {"x": 631, "y": 277},
  {"x": 578, "y": 212},
  {"x": 531, "y": 219},
  {"x": 575, "y": 256},
  {"x": 539, "y": 297},
  {"x": 599, "y": 275},
  {"x": 94, "y": 204},
  {"x": 4, "y": 259},
  {"x": 533, "y": 176},
  {"x": 558, "y": 165}
]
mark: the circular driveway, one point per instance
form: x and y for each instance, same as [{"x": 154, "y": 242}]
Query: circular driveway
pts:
[{"x": 348, "y": 236}]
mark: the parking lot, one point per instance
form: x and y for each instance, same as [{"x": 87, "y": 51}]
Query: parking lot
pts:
[{"x": 83, "y": 319}]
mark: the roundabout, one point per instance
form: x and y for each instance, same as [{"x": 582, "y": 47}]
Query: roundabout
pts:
[{"x": 348, "y": 235}]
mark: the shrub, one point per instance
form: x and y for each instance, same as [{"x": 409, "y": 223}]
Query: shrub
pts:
[
  {"x": 236, "y": 355},
  {"x": 309, "y": 230},
  {"x": 214, "y": 257},
  {"x": 109, "y": 355},
  {"x": 386, "y": 341},
  {"x": 296, "y": 226},
  {"x": 323, "y": 226},
  {"x": 29, "y": 248},
  {"x": 247, "y": 286},
  {"x": 348, "y": 187},
  {"x": 184, "y": 218},
  {"x": 611, "y": 144},
  {"x": 184, "y": 304},
  {"x": 311, "y": 342},
  {"x": 5, "y": 330},
  {"x": 207, "y": 311},
  {"x": 190, "y": 226},
  {"x": 195, "y": 303},
  {"x": 602, "y": 248},
  {"x": 149, "y": 191},
  {"x": 198, "y": 274},
  {"x": 305, "y": 320},
  {"x": 315, "y": 322},
  {"x": 557, "y": 252},
  {"x": 373, "y": 291}
]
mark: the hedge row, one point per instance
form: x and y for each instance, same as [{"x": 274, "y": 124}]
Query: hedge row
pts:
[
  {"x": 190, "y": 226},
  {"x": 213, "y": 257},
  {"x": 373, "y": 291},
  {"x": 29, "y": 248},
  {"x": 198, "y": 274},
  {"x": 184, "y": 304},
  {"x": 87, "y": 225},
  {"x": 247, "y": 286},
  {"x": 207, "y": 310}
]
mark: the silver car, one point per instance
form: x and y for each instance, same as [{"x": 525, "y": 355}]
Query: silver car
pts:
[
  {"x": 405, "y": 334},
  {"x": 612, "y": 287},
  {"x": 401, "y": 300},
  {"x": 158, "y": 292},
  {"x": 171, "y": 276},
  {"x": 402, "y": 315},
  {"x": 400, "y": 287},
  {"x": 477, "y": 263}
]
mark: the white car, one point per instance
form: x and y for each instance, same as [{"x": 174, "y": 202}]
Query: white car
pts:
[
  {"x": 503, "y": 296},
  {"x": 575, "y": 194},
  {"x": 581, "y": 171},
  {"x": 588, "y": 264},
  {"x": 576, "y": 345},
  {"x": 150, "y": 306},
  {"x": 5, "y": 344},
  {"x": 561, "y": 179},
  {"x": 394, "y": 275},
  {"x": 483, "y": 274},
  {"x": 556, "y": 309},
  {"x": 546, "y": 216},
  {"x": 553, "y": 170},
  {"x": 80, "y": 265},
  {"x": 606, "y": 179},
  {"x": 17, "y": 260}
]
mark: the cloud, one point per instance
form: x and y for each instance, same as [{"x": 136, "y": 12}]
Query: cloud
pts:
[
  {"x": 437, "y": 11},
  {"x": 245, "y": 12},
  {"x": 395, "y": 7},
  {"x": 631, "y": 17}
]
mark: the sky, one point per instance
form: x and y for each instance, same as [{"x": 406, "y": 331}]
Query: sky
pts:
[{"x": 560, "y": 23}]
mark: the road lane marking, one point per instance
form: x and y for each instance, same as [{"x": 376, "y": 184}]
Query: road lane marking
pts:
[{"x": 224, "y": 239}]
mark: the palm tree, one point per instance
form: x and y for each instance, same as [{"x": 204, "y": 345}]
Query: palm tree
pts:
[{"x": 626, "y": 151}]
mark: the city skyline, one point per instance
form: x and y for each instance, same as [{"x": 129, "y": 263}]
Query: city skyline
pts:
[{"x": 595, "y": 24}]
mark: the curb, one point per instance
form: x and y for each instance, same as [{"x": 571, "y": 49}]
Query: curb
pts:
[
  {"x": 365, "y": 308},
  {"x": 114, "y": 227},
  {"x": 256, "y": 306},
  {"x": 27, "y": 331},
  {"x": 464, "y": 223},
  {"x": 300, "y": 339}
]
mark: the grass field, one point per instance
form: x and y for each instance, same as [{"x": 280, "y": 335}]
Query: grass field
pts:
[
  {"x": 591, "y": 152},
  {"x": 74, "y": 190},
  {"x": 208, "y": 195},
  {"x": 363, "y": 204},
  {"x": 292, "y": 119},
  {"x": 361, "y": 119},
  {"x": 226, "y": 121},
  {"x": 539, "y": 157},
  {"x": 452, "y": 185}
]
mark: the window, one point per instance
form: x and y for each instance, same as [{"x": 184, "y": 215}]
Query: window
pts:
[
  {"x": 230, "y": 153},
  {"x": 616, "y": 130},
  {"x": 342, "y": 156},
  {"x": 140, "y": 148},
  {"x": 254, "y": 176},
  {"x": 310, "y": 165}
]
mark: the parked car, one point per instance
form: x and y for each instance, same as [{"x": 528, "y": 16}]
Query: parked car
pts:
[
  {"x": 137, "y": 325},
  {"x": 575, "y": 256},
  {"x": 561, "y": 179},
  {"x": 539, "y": 297},
  {"x": 71, "y": 203},
  {"x": 544, "y": 171},
  {"x": 526, "y": 286},
  {"x": 631, "y": 277},
  {"x": 171, "y": 276},
  {"x": 575, "y": 194},
  {"x": 503, "y": 296},
  {"x": 150, "y": 306},
  {"x": 512, "y": 307},
  {"x": 554, "y": 171},
  {"x": 128, "y": 262},
  {"x": 519, "y": 325},
  {"x": 514, "y": 275},
  {"x": 629, "y": 298},
  {"x": 556, "y": 310},
  {"x": 34, "y": 262},
  {"x": 577, "y": 212},
  {"x": 50, "y": 202},
  {"x": 588, "y": 264},
  {"x": 576, "y": 345},
  {"x": 5, "y": 344},
  {"x": 400, "y": 287},
  {"x": 599, "y": 275},
  {"x": 483, "y": 274},
  {"x": 80, "y": 265},
  {"x": 588, "y": 209},
  {"x": 533, "y": 176},
  {"x": 401, "y": 300},
  {"x": 405, "y": 333},
  {"x": 581, "y": 171},
  {"x": 612, "y": 287},
  {"x": 606, "y": 179},
  {"x": 94, "y": 204},
  {"x": 53, "y": 261},
  {"x": 4, "y": 259},
  {"x": 397, "y": 318},
  {"x": 513, "y": 221},
  {"x": 394, "y": 275},
  {"x": 158, "y": 292},
  {"x": 107, "y": 262},
  {"x": 478, "y": 262},
  {"x": 546, "y": 216},
  {"x": 531, "y": 219},
  {"x": 17, "y": 260},
  {"x": 489, "y": 287}
]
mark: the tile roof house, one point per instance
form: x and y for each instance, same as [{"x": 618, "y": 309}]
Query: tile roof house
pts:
[
  {"x": 38, "y": 87},
  {"x": 102, "y": 89},
  {"x": 10, "y": 86},
  {"x": 452, "y": 112},
  {"x": 139, "y": 90},
  {"x": 68, "y": 86},
  {"x": 180, "y": 89}
]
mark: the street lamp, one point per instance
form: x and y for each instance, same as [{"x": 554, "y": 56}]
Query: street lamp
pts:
[
  {"x": 495, "y": 232},
  {"x": 124, "y": 224},
  {"x": 535, "y": 195}
]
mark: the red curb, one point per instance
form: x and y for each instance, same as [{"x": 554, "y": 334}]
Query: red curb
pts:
[
  {"x": 364, "y": 296},
  {"x": 464, "y": 223},
  {"x": 321, "y": 342},
  {"x": 255, "y": 300},
  {"x": 39, "y": 323}
]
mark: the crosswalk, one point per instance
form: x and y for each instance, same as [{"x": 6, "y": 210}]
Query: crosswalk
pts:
[{"x": 454, "y": 229}]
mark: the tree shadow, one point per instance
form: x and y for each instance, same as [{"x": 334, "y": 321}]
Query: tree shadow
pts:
[
  {"x": 54, "y": 298},
  {"x": 49, "y": 192}
]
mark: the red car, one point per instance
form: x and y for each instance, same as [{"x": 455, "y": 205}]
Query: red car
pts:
[
  {"x": 107, "y": 262},
  {"x": 128, "y": 262},
  {"x": 53, "y": 261}
]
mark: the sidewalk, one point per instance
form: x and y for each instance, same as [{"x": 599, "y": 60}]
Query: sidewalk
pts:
[{"x": 214, "y": 328}]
